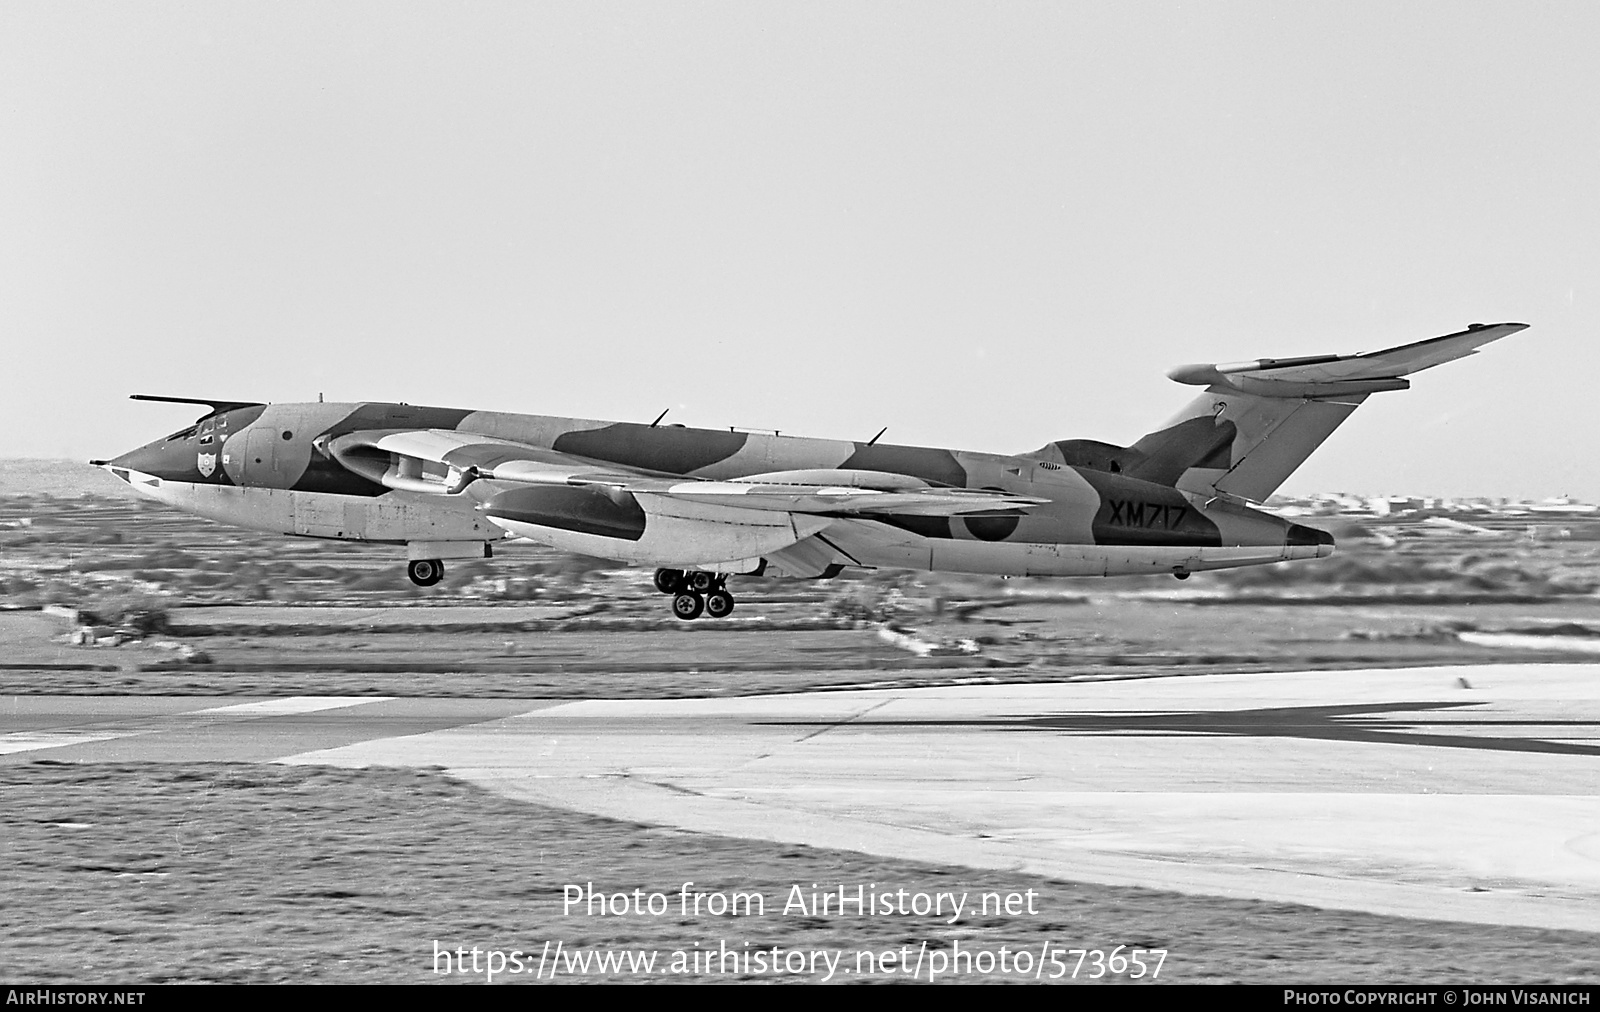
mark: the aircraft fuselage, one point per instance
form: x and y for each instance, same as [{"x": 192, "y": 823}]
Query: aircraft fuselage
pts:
[{"x": 269, "y": 468}]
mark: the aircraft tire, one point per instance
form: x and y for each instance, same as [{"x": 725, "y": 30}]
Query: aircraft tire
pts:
[
  {"x": 425, "y": 572},
  {"x": 669, "y": 581},
  {"x": 700, "y": 583},
  {"x": 688, "y": 606},
  {"x": 719, "y": 604}
]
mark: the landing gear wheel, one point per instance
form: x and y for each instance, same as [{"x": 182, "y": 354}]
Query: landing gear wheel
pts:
[
  {"x": 688, "y": 606},
  {"x": 669, "y": 581},
  {"x": 425, "y": 572},
  {"x": 700, "y": 583},
  {"x": 719, "y": 603}
]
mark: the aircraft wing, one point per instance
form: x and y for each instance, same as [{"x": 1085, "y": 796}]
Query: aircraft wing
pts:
[{"x": 445, "y": 462}]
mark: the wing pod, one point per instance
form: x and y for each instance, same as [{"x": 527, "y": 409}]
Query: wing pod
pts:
[
  {"x": 880, "y": 481},
  {"x": 850, "y": 500}
]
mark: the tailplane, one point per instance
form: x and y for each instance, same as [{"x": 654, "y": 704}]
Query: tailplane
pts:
[{"x": 1258, "y": 421}]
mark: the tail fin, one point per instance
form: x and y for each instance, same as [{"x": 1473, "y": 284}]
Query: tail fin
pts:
[{"x": 1258, "y": 421}]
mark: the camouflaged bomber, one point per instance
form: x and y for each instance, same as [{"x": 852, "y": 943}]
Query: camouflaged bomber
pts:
[{"x": 702, "y": 504}]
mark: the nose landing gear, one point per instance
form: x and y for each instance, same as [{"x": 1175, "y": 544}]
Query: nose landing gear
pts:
[
  {"x": 425, "y": 572},
  {"x": 695, "y": 593}
]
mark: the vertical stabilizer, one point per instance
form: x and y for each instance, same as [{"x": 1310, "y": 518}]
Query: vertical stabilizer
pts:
[
  {"x": 1239, "y": 444},
  {"x": 1258, "y": 421}
]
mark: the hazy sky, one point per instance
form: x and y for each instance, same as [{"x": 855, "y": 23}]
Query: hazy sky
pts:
[{"x": 985, "y": 226}]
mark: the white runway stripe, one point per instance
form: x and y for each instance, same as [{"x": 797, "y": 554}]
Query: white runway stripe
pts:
[
  {"x": 27, "y": 741},
  {"x": 291, "y": 705}
]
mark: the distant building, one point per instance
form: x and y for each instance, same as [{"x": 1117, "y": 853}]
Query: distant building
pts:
[
  {"x": 1562, "y": 505},
  {"x": 1391, "y": 505}
]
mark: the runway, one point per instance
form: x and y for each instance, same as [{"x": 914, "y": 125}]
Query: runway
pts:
[{"x": 1468, "y": 794}]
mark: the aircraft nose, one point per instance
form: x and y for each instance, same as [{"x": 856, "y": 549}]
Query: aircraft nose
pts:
[{"x": 164, "y": 458}]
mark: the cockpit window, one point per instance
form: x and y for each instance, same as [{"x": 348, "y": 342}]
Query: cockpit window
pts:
[{"x": 182, "y": 434}]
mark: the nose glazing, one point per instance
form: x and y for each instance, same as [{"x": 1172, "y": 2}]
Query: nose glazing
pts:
[{"x": 172, "y": 457}]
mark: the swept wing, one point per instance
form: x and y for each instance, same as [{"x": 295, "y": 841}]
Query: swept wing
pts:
[{"x": 444, "y": 462}]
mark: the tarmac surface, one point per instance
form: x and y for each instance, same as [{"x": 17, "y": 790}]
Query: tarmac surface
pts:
[{"x": 1463, "y": 794}]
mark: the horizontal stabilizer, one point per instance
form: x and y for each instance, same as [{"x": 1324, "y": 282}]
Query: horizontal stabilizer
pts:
[
  {"x": 1336, "y": 375},
  {"x": 1257, "y": 421}
]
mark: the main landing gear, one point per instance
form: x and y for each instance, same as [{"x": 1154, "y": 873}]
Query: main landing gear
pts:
[
  {"x": 695, "y": 593},
  {"x": 425, "y": 572}
]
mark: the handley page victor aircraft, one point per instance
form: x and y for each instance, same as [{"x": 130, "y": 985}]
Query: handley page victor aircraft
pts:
[{"x": 705, "y": 504}]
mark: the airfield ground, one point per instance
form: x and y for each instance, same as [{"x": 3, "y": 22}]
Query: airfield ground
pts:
[
  {"x": 248, "y": 873},
  {"x": 136, "y": 870}
]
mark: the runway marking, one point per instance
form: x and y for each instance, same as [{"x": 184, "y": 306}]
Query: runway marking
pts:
[
  {"x": 27, "y": 741},
  {"x": 289, "y": 706}
]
